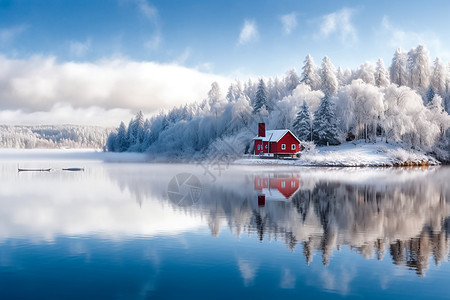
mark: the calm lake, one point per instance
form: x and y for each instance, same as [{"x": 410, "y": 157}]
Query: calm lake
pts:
[{"x": 135, "y": 230}]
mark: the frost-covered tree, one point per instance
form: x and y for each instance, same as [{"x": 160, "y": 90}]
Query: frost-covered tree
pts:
[
  {"x": 234, "y": 91},
  {"x": 381, "y": 75},
  {"x": 438, "y": 114},
  {"x": 309, "y": 74},
  {"x": 361, "y": 107},
  {"x": 122, "y": 142},
  {"x": 260, "y": 97},
  {"x": 302, "y": 125},
  {"x": 329, "y": 83},
  {"x": 399, "y": 73},
  {"x": 367, "y": 73},
  {"x": 214, "y": 94},
  {"x": 419, "y": 68},
  {"x": 291, "y": 80},
  {"x": 439, "y": 77},
  {"x": 324, "y": 124},
  {"x": 429, "y": 95}
]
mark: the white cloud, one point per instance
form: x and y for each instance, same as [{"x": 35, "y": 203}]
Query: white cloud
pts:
[
  {"x": 249, "y": 32},
  {"x": 148, "y": 10},
  {"x": 79, "y": 49},
  {"x": 289, "y": 22},
  {"x": 399, "y": 38},
  {"x": 39, "y": 83},
  {"x": 338, "y": 23},
  {"x": 8, "y": 34}
]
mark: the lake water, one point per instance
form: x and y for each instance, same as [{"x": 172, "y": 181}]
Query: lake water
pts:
[{"x": 151, "y": 231}]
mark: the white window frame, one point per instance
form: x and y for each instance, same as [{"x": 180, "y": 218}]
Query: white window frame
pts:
[
  {"x": 283, "y": 146},
  {"x": 293, "y": 147}
]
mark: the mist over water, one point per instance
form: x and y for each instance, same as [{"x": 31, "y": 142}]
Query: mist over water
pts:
[{"x": 319, "y": 231}]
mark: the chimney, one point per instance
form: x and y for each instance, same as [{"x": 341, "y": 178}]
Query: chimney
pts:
[{"x": 262, "y": 129}]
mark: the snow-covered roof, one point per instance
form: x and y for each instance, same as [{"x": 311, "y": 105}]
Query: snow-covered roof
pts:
[{"x": 274, "y": 135}]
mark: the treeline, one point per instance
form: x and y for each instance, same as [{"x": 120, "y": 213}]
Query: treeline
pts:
[
  {"x": 53, "y": 136},
  {"x": 408, "y": 102}
]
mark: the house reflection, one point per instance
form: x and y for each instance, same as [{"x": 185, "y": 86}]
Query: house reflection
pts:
[{"x": 276, "y": 187}]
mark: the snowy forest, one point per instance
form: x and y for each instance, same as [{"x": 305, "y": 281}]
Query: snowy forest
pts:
[
  {"x": 53, "y": 136},
  {"x": 406, "y": 102}
]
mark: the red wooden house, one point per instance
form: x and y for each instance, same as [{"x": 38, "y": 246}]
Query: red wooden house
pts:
[{"x": 276, "y": 142}]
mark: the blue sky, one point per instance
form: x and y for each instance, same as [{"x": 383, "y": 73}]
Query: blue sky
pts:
[
  {"x": 231, "y": 39},
  {"x": 205, "y": 34}
]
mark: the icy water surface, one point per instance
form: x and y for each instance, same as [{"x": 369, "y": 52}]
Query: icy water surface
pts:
[{"x": 152, "y": 231}]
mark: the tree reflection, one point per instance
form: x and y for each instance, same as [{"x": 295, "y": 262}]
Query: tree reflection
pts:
[{"x": 405, "y": 213}]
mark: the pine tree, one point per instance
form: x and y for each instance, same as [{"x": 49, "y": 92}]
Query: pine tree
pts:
[
  {"x": 398, "y": 68},
  {"x": 309, "y": 74},
  {"x": 419, "y": 68},
  {"x": 381, "y": 77},
  {"x": 122, "y": 143},
  {"x": 328, "y": 76},
  {"x": 439, "y": 77},
  {"x": 291, "y": 81},
  {"x": 324, "y": 125},
  {"x": 261, "y": 97},
  {"x": 302, "y": 123},
  {"x": 429, "y": 95}
]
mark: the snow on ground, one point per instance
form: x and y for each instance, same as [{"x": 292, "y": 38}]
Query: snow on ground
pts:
[{"x": 355, "y": 154}]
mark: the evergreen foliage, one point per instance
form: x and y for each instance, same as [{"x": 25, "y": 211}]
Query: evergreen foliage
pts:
[
  {"x": 324, "y": 124},
  {"x": 302, "y": 124}
]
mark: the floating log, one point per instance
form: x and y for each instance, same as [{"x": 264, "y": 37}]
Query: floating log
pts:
[
  {"x": 34, "y": 170},
  {"x": 73, "y": 169}
]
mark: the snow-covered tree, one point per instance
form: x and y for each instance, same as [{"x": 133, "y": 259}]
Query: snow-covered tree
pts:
[
  {"x": 260, "y": 97},
  {"x": 214, "y": 94},
  {"x": 234, "y": 91},
  {"x": 381, "y": 75},
  {"x": 291, "y": 80},
  {"x": 122, "y": 142},
  {"x": 367, "y": 73},
  {"x": 309, "y": 74},
  {"x": 439, "y": 77},
  {"x": 360, "y": 107},
  {"x": 302, "y": 125},
  {"x": 324, "y": 124},
  {"x": 329, "y": 83},
  {"x": 399, "y": 73},
  {"x": 429, "y": 95},
  {"x": 419, "y": 68},
  {"x": 438, "y": 114}
]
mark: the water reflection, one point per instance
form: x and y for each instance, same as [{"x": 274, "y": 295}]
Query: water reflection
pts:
[{"x": 403, "y": 214}]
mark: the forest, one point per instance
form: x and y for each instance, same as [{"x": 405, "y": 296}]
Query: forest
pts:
[
  {"x": 407, "y": 102},
  {"x": 53, "y": 136}
]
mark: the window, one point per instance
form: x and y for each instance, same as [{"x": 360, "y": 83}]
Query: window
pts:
[
  {"x": 283, "y": 146},
  {"x": 292, "y": 184},
  {"x": 283, "y": 184},
  {"x": 266, "y": 146},
  {"x": 293, "y": 146}
]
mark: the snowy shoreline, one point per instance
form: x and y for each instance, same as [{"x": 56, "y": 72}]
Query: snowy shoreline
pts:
[{"x": 353, "y": 154}]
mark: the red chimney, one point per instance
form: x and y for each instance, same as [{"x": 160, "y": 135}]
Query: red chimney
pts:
[{"x": 262, "y": 129}]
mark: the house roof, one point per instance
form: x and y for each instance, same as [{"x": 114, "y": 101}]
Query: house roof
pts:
[{"x": 274, "y": 135}]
